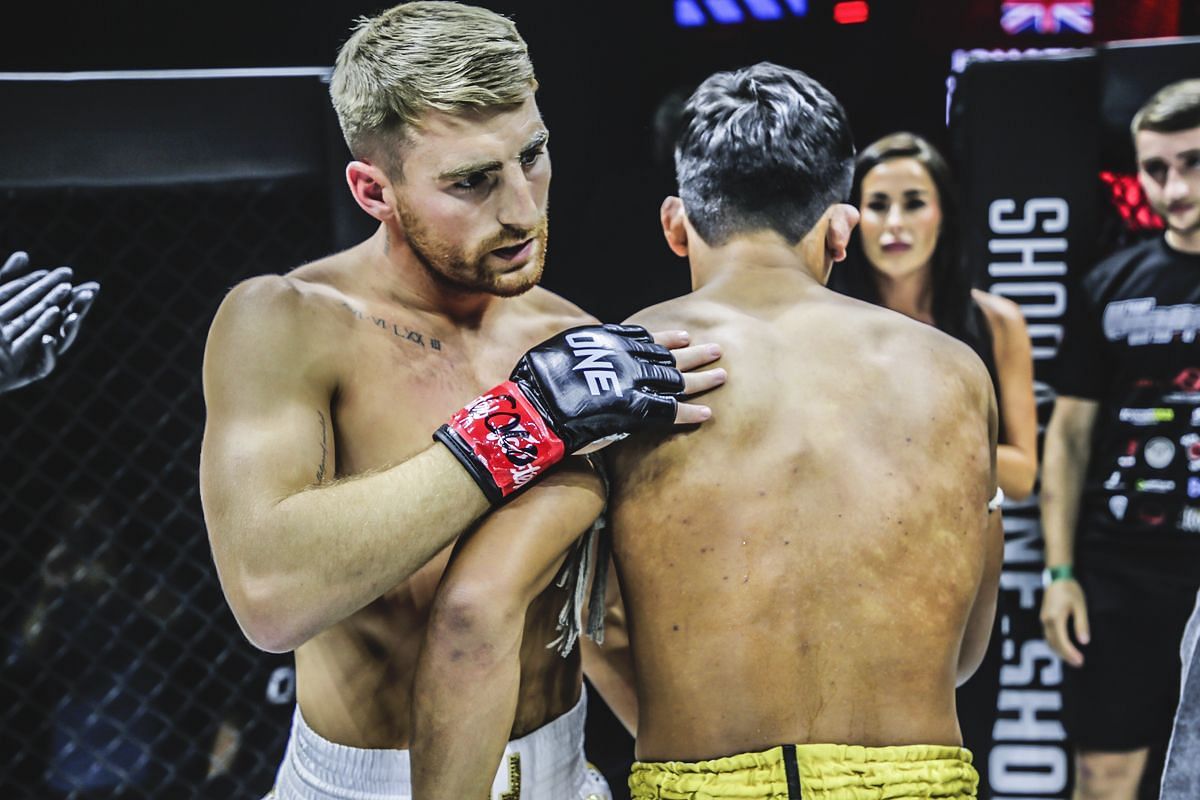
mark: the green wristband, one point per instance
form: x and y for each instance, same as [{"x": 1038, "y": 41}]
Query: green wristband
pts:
[{"x": 1062, "y": 572}]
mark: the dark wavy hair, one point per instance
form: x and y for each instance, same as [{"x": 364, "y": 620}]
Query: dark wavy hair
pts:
[
  {"x": 953, "y": 307},
  {"x": 761, "y": 147}
]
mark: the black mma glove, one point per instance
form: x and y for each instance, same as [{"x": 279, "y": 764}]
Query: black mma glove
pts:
[{"x": 572, "y": 390}]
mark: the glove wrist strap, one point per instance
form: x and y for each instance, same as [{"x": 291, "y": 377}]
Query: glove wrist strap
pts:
[{"x": 502, "y": 440}]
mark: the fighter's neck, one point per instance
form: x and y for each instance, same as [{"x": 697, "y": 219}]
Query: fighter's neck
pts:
[
  {"x": 391, "y": 271},
  {"x": 751, "y": 258},
  {"x": 1184, "y": 241},
  {"x": 911, "y": 294}
]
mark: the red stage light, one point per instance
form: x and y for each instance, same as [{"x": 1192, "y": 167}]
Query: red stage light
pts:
[
  {"x": 851, "y": 13},
  {"x": 1129, "y": 200}
]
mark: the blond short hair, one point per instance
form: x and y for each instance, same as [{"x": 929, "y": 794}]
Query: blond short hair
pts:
[
  {"x": 419, "y": 57},
  {"x": 1173, "y": 108}
]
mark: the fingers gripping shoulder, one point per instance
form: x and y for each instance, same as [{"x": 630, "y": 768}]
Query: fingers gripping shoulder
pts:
[
  {"x": 575, "y": 390},
  {"x": 596, "y": 379}
]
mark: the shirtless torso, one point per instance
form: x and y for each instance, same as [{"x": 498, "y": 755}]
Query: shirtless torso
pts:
[
  {"x": 319, "y": 376},
  {"x": 832, "y": 572}
]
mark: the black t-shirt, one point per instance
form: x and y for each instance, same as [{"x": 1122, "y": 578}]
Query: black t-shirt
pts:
[{"x": 1131, "y": 344}]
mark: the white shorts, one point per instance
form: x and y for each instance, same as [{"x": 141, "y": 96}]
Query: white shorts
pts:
[{"x": 547, "y": 764}]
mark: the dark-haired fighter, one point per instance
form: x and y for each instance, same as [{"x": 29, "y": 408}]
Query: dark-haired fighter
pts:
[
  {"x": 330, "y": 511},
  {"x": 809, "y": 576}
]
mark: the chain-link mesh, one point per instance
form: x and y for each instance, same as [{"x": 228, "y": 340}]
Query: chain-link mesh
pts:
[{"x": 124, "y": 674}]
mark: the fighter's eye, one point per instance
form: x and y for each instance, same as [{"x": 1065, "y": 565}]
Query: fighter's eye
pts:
[
  {"x": 530, "y": 157},
  {"x": 913, "y": 205},
  {"x": 1156, "y": 170},
  {"x": 472, "y": 181},
  {"x": 878, "y": 205}
]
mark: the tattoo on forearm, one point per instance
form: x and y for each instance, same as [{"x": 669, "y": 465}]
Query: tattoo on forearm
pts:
[
  {"x": 324, "y": 450},
  {"x": 399, "y": 331}
]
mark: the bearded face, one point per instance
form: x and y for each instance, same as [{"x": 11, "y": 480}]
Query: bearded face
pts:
[
  {"x": 472, "y": 201},
  {"x": 506, "y": 263},
  {"x": 1169, "y": 171}
]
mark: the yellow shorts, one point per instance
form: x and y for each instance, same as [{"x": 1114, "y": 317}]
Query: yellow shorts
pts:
[{"x": 814, "y": 772}]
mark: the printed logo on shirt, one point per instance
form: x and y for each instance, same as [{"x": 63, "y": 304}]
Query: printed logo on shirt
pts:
[
  {"x": 1191, "y": 448},
  {"x": 1118, "y": 504},
  {"x": 1114, "y": 482},
  {"x": 1193, "y": 489},
  {"x": 1196, "y": 417},
  {"x": 1152, "y": 515},
  {"x": 1140, "y": 322},
  {"x": 1155, "y": 486},
  {"x": 1183, "y": 398},
  {"x": 1146, "y": 416},
  {"x": 281, "y": 687},
  {"x": 1130, "y": 458},
  {"x": 1189, "y": 379},
  {"x": 1160, "y": 452},
  {"x": 1189, "y": 519}
]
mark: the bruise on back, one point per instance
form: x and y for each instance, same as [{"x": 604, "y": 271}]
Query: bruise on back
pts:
[{"x": 824, "y": 529}]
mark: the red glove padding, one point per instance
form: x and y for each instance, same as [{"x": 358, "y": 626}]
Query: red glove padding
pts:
[
  {"x": 585, "y": 384},
  {"x": 503, "y": 433}
]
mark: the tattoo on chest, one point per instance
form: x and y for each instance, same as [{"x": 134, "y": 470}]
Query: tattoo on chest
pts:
[
  {"x": 399, "y": 331},
  {"x": 324, "y": 449}
]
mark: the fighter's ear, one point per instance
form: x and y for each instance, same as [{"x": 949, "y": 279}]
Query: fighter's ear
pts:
[
  {"x": 842, "y": 219},
  {"x": 372, "y": 189},
  {"x": 674, "y": 225}
]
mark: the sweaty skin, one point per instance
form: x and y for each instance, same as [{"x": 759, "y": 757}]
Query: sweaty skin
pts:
[
  {"x": 817, "y": 564},
  {"x": 322, "y": 375}
]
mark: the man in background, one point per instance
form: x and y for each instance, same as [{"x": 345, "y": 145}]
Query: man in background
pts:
[{"x": 1121, "y": 481}]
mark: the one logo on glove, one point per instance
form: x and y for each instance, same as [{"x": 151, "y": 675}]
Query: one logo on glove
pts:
[{"x": 599, "y": 374}]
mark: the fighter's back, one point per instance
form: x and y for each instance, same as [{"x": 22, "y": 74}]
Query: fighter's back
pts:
[{"x": 803, "y": 568}]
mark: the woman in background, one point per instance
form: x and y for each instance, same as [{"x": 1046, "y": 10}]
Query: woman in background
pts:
[{"x": 907, "y": 257}]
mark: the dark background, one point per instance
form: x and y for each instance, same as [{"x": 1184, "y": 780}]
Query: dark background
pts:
[{"x": 604, "y": 68}]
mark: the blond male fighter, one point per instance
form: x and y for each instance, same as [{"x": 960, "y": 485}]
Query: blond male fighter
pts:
[{"x": 330, "y": 512}]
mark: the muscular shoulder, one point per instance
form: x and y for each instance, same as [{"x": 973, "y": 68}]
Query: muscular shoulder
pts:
[
  {"x": 272, "y": 321},
  {"x": 269, "y": 303},
  {"x": 924, "y": 353},
  {"x": 690, "y": 313},
  {"x": 551, "y": 313}
]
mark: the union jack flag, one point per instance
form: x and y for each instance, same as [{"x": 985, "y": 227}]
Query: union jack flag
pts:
[{"x": 1046, "y": 17}]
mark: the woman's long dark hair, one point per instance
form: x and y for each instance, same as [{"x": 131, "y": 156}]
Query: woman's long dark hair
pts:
[{"x": 953, "y": 308}]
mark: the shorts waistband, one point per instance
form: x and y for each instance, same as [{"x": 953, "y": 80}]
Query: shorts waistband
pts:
[
  {"x": 548, "y": 751},
  {"x": 315, "y": 768},
  {"x": 825, "y": 771}
]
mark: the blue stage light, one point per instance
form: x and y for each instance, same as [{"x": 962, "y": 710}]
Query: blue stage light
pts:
[
  {"x": 695, "y": 13},
  {"x": 764, "y": 9},
  {"x": 725, "y": 11},
  {"x": 688, "y": 14}
]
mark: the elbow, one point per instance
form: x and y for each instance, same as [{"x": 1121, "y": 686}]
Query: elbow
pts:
[
  {"x": 969, "y": 661},
  {"x": 267, "y": 619},
  {"x": 1021, "y": 487},
  {"x": 472, "y": 624},
  {"x": 1017, "y": 474}
]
